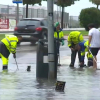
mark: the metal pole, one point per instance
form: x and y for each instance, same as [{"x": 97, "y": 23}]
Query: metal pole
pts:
[
  {"x": 8, "y": 11},
  {"x": 51, "y": 74},
  {"x": 17, "y": 10},
  {"x": 57, "y": 13}
]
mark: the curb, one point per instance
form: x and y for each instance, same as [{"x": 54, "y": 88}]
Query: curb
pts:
[{"x": 19, "y": 50}]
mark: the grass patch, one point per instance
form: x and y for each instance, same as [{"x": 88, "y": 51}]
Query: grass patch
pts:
[
  {"x": 2, "y": 36},
  {"x": 83, "y": 32},
  {"x": 65, "y": 33}
]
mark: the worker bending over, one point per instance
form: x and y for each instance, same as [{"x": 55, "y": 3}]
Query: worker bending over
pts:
[
  {"x": 8, "y": 45},
  {"x": 74, "y": 38}
]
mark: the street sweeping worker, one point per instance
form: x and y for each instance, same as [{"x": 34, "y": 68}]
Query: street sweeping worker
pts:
[
  {"x": 8, "y": 45},
  {"x": 59, "y": 36},
  {"x": 74, "y": 38},
  {"x": 83, "y": 47}
]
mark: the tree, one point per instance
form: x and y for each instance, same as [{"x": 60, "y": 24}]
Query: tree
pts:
[
  {"x": 89, "y": 15},
  {"x": 30, "y": 2},
  {"x": 96, "y": 2},
  {"x": 63, "y": 3}
]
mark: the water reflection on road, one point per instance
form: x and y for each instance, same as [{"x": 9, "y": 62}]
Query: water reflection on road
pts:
[{"x": 23, "y": 85}]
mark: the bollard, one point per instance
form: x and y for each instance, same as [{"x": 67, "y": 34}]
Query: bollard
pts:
[
  {"x": 42, "y": 59},
  {"x": 42, "y": 64}
]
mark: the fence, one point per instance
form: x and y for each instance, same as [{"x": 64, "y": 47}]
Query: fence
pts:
[
  {"x": 9, "y": 13},
  {"x": 74, "y": 22}
]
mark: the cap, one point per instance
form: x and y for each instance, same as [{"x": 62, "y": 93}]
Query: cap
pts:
[{"x": 56, "y": 24}]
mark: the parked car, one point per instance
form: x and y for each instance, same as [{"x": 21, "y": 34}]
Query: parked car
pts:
[{"x": 31, "y": 29}]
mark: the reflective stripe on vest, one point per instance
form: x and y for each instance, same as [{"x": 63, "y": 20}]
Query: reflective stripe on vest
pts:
[
  {"x": 78, "y": 37},
  {"x": 10, "y": 43}
]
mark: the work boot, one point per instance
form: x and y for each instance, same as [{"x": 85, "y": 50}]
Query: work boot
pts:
[
  {"x": 90, "y": 62},
  {"x": 81, "y": 66},
  {"x": 59, "y": 65},
  {"x": 5, "y": 68},
  {"x": 71, "y": 66}
]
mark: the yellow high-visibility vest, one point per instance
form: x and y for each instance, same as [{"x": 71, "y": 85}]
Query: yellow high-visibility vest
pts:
[
  {"x": 10, "y": 42},
  {"x": 60, "y": 33},
  {"x": 75, "y": 37}
]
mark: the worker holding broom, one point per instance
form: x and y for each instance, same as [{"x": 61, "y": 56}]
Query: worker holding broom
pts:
[
  {"x": 8, "y": 45},
  {"x": 58, "y": 34}
]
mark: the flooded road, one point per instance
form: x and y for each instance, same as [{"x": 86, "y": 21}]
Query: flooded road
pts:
[{"x": 23, "y": 85}]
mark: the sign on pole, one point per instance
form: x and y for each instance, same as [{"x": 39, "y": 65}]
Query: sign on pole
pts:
[
  {"x": 17, "y": 9},
  {"x": 17, "y": 1}
]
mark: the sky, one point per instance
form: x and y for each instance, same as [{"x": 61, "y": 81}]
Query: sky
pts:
[{"x": 73, "y": 10}]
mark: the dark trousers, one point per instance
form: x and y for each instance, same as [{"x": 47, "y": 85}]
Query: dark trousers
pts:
[
  {"x": 73, "y": 56},
  {"x": 5, "y": 54},
  {"x": 56, "y": 46},
  {"x": 3, "y": 50}
]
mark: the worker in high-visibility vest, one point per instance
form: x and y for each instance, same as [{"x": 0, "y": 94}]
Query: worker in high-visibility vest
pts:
[
  {"x": 58, "y": 34},
  {"x": 90, "y": 59},
  {"x": 83, "y": 47},
  {"x": 74, "y": 37},
  {"x": 8, "y": 45}
]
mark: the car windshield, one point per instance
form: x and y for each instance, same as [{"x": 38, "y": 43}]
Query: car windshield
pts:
[{"x": 25, "y": 22}]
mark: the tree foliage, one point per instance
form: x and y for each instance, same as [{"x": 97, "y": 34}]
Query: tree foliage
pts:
[
  {"x": 89, "y": 15},
  {"x": 32, "y": 2},
  {"x": 64, "y": 3},
  {"x": 96, "y": 2}
]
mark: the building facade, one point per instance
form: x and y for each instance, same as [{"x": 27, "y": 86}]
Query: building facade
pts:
[{"x": 10, "y": 12}]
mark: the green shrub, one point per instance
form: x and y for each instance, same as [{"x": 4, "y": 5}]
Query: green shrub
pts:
[{"x": 89, "y": 15}]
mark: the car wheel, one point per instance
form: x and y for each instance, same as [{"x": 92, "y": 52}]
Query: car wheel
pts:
[
  {"x": 44, "y": 36},
  {"x": 33, "y": 43}
]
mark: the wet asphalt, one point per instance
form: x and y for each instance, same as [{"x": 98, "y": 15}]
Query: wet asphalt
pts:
[{"x": 22, "y": 85}]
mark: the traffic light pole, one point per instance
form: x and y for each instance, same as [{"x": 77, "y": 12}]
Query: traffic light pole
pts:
[{"x": 51, "y": 74}]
